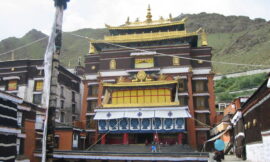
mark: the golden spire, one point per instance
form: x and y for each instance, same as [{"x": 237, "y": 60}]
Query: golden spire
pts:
[
  {"x": 149, "y": 15},
  {"x": 204, "y": 38},
  {"x": 92, "y": 49},
  {"x": 170, "y": 17},
  {"x": 127, "y": 22}
]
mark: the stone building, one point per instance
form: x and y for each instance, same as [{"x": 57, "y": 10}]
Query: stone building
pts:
[
  {"x": 24, "y": 78},
  {"x": 18, "y": 128}
]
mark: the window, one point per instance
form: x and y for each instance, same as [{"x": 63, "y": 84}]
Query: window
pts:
[
  {"x": 37, "y": 98},
  {"x": 62, "y": 117},
  {"x": 73, "y": 96},
  {"x": 73, "y": 118},
  {"x": 201, "y": 102},
  {"x": 56, "y": 141},
  {"x": 203, "y": 118},
  {"x": 182, "y": 85},
  {"x": 144, "y": 62},
  {"x": 62, "y": 104},
  {"x": 75, "y": 140},
  {"x": 183, "y": 101},
  {"x": 91, "y": 106},
  {"x": 200, "y": 86},
  {"x": 93, "y": 90},
  {"x": 73, "y": 108},
  {"x": 19, "y": 118},
  {"x": 12, "y": 85},
  {"x": 38, "y": 85},
  {"x": 62, "y": 91}
]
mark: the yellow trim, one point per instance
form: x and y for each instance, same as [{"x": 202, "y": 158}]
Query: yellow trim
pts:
[
  {"x": 142, "y": 105},
  {"x": 145, "y": 25},
  {"x": 136, "y": 84},
  {"x": 148, "y": 36}
]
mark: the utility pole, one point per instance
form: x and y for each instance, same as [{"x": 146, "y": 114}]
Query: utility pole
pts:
[{"x": 51, "y": 64}]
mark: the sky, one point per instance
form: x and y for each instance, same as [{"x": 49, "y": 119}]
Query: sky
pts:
[{"x": 17, "y": 17}]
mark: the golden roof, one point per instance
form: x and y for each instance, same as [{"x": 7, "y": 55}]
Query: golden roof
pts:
[
  {"x": 143, "y": 25},
  {"x": 148, "y": 36},
  {"x": 148, "y": 23}
]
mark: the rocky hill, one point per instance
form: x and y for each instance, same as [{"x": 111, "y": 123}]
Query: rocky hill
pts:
[{"x": 233, "y": 38}]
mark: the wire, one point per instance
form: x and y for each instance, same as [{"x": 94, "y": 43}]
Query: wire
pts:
[
  {"x": 26, "y": 45},
  {"x": 162, "y": 54},
  {"x": 103, "y": 135}
]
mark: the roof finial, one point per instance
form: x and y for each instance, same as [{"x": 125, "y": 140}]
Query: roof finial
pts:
[
  {"x": 92, "y": 49},
  {"x": 149, "y": 15},
  {"x": 127, "y": 22},
  {"x": 170, "y": 17},
  {"x": 204, "y": 38}
]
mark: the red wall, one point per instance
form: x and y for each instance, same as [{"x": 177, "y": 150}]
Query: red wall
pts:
[{"x": 65, "y": 139}]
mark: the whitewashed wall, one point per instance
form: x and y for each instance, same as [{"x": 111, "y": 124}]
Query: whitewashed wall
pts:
[{"x": 259, "y": 152}]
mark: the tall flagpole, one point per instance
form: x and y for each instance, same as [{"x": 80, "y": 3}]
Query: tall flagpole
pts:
[{"x": 51, "y": 64}]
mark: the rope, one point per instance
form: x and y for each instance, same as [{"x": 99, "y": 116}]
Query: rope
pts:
[
  {"x": 162, "y": 54},
  {"x": 26, "y": 45}
]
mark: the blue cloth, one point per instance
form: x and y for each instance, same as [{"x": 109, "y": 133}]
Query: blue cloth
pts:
[
  {"x": 219, "y": 145},
  {"x": 154, "y": 148}
]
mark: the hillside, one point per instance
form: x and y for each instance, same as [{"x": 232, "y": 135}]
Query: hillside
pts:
[
  {"x": 233, "y": 38},
  {"x": 227, "y": 89}
]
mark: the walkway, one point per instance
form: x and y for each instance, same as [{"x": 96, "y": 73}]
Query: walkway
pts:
[{"x": 228, "y": 158}]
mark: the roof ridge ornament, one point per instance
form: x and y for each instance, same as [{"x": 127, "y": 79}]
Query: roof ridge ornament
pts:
[
  {"x": 149, "y": 15},
  {"x": 170, "y": 17},
  {"x": 127, "y": 22}
]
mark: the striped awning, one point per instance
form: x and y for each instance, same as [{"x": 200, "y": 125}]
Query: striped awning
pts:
[{"x": 139, "y": 113}]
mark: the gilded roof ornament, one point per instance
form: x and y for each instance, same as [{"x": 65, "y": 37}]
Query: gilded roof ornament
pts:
[
  {"x": 170, "y": 17},
  {"x": 112, "y": 64},
  {"x": 149, "y": 15},
  {"x": 141, "y": 75},
  {"x": 204, "y": 38},
  {"x": 202, "y": 32},
  {"x": 92, "y": 49},
  {"x": 127, "y": 22},
  {"x": 161, "y": 18}
]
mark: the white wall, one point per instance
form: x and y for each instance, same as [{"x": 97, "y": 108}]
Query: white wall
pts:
[
  {"x": 22, "y": 92},
  {"x": 259, "y": 152}
]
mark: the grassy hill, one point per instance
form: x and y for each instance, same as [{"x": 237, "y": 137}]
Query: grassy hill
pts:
[
  {"x": 233, "y": 38},
  {"x": 227, "y": 89}
]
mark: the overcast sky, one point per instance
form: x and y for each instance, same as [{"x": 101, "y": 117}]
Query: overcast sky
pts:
[{"x": 19, "y": 16}]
